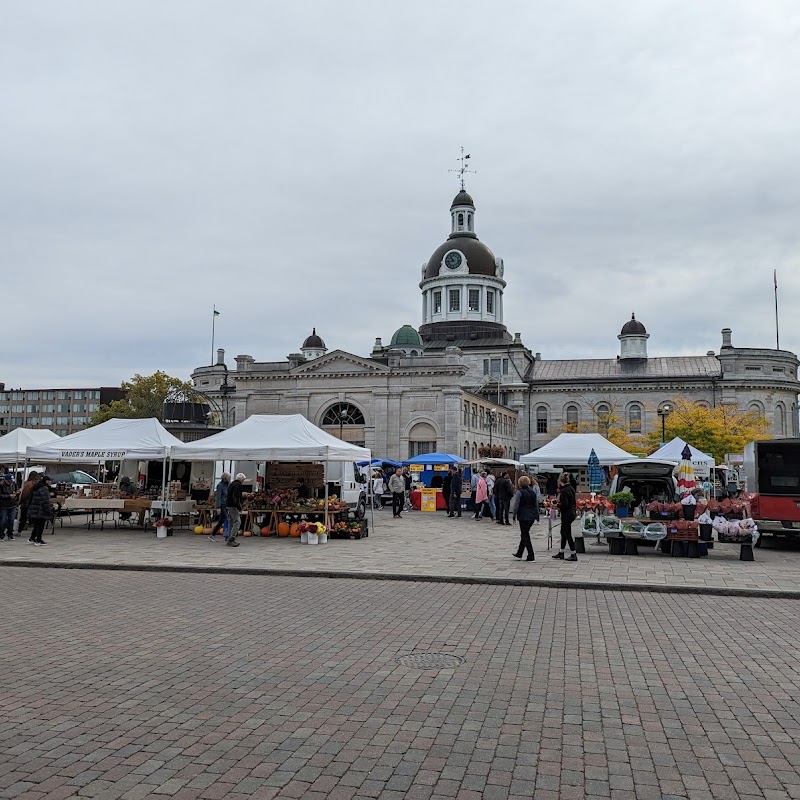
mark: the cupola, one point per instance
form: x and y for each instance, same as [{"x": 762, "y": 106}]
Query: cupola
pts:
[
  {"x": 313, "y": 346},
  {"x": 633, "y": 339}
]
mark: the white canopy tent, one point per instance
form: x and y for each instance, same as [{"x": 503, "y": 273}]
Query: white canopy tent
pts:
[
  {"x": 573, "y": 449},
  {"x": 14, "y": 444},
  {"x": 271, "y": 437},
  {"x": 115, "y": 440},
  {"x": 671, "y": 451}
]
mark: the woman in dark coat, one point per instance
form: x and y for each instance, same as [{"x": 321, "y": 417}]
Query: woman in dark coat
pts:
[
  {"x": 569, "y": 510},
  {"x": 523, "y": 508},
  {"x": 40, "y": 509}
]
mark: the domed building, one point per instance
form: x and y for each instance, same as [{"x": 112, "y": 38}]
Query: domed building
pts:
[{"x": 461, "y": 381}]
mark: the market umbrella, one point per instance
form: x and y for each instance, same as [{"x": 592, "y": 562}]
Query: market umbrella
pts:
[
  {"x": 595, "y": 472},
  {"x": 686, "y": 481}
]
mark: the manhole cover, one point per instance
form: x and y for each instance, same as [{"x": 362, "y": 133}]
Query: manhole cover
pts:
[{"x": 430, "y": 660}]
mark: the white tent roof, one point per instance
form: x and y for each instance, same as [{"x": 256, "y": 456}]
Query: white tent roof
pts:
[
  {"x": 272, "y": 437},
  {"x": 671, "y": 451},
  {"x": 14, "y": 443},
  {"x": 117, "y": 439},
  {"x": 573, "y": 449}
]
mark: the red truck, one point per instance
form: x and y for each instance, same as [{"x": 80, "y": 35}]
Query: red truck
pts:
[{"x": 772, "y": 471}]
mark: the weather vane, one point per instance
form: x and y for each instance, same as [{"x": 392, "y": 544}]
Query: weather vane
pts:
[{"x": 464, "y": 159}]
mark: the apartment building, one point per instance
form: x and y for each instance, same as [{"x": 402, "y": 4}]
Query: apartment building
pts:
[{"x": 63, "y": 411}]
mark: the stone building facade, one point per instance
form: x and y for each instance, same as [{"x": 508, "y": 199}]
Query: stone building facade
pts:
[{"x": 462, "y": 381}]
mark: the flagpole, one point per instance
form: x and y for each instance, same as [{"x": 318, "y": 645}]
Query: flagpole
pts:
[
  {"x": 213, "y": 331},
  {"x": 777, "y": 330}
]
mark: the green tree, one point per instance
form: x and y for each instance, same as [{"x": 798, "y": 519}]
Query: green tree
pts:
[
  {"x": 145, "y": 398},
  {"x": 719, "y": 430}
]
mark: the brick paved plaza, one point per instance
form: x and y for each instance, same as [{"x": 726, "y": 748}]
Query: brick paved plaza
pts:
[
  {"x": 421, "y": 546},
  {"x": 136, "y": 684}
]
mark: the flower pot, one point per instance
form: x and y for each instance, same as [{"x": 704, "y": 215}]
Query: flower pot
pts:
[
  {"x": 313, "y": 538},
  {"x": 323, "y": 538},
  {"x": 621, "y": 511},
  {"x": 161, "y": 532},
  {"x": 304, "y": 537}
]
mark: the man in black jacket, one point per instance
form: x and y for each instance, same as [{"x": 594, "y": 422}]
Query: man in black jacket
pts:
[
  {"x": 40, "y": 510},
  {"x": 504, "y": 491},
  {"x": 454, "y": 501},
  {"x": 234, "y": 508}
]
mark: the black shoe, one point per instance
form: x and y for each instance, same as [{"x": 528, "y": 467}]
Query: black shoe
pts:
[
  {"x": 559, "y": 555},
  {"x": 531, "y": 558},
  {"x": 10, "y": 538},
  {"x": 450, "y": 516},
  {"x": 573, "y": 557},
  {"x": 517, "y": 555}
]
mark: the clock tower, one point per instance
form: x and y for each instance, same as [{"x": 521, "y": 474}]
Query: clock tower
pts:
[{"x": 462, "y": 283}]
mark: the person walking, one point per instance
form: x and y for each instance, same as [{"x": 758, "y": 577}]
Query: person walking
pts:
[
  {"x": 481, "y": 497},
  {"x": 473, "y": 488},
  {"x": 40, "y": 510},
  {"x": 523, "y": 507},
  {"x": 25, "y": 498},
  {"x": 538, "y": 492},
  {"x": 233, "y": 503},
  {"x": 446, "y": 484},
  {"x": 568, "y": 506},
  {"x": 221, "y": 502},
  {"x": 377, "y": 489},
  {"x": 505, "y": 491},
  {"x": 8, "y": 504},
  {"x": 454, "y": 500},
  {"x": 397, "y": 486},
  {"x": 407, "y": 490},
  {"x": 490, "y": 480}
]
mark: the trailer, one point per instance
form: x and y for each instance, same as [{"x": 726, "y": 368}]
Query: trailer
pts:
[{"x": 772, "y": 473}]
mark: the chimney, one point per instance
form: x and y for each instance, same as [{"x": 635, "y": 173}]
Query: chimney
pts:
[
  {"x": 538, "y": 356},
  {"x": 220, "y": 357},
  {"x": 726, "y": 337},
  {"x": 517, "y": 338}
]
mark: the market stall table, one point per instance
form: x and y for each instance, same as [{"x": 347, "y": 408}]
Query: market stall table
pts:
[
  {"x": 93, "y": 505},
  {"x": 416, "y": 500}
]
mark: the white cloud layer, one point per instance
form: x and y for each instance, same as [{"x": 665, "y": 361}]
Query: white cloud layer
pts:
[{"x": 288, "y": 162}]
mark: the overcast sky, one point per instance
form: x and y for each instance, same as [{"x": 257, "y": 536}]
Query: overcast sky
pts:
[{"x": 288, "y": 162}]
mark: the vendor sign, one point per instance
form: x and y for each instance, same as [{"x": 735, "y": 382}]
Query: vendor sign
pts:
[
  {"x": 441, "y": 468},
  {"x": 415, "y": 467},
  {"x": 428, "y": 500}
]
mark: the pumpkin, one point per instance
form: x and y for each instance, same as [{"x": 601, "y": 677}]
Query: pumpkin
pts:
[
  {"x": 208, "y": 529},
  {"x": 247, "y": 533},
  {"x": 283, "y": 529},
  {"x": 295, "y": 529},
  {"x": 199, "y": 529},
  {"x": 265, "y": 531}
]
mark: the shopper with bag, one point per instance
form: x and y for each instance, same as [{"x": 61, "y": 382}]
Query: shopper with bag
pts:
[
  {"x": 40, "y": 510},
  {"x": 569, "y": 511}
]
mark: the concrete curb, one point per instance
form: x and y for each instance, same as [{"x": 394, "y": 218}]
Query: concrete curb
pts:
[{"x": 777, "y": 594}]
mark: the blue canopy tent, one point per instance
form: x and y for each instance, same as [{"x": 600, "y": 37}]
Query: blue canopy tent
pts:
[
  {"x": 380, "y": 462},
  {"x": 429, "y": 462}
]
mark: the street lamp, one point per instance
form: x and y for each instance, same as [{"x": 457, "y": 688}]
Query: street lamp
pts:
[
  {"x": 664, "y": 412},
  {"x": 491, "y": 417}
]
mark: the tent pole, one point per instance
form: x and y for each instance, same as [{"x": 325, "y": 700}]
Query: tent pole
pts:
[
  {"x": 371, "y": 491},
  {"x": 327, "y": 471}
]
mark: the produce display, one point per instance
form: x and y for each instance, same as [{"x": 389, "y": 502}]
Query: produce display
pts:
[{"x": 287, "y": 500}]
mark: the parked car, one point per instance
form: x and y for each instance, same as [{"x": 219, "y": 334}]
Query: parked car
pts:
[{"x": 648, "y": 478}]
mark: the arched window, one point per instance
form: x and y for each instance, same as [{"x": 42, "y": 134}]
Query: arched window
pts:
[
  {"x": 756, "y": 408},
  {"x": 635, "y": 419},
  {"x": 461, "y": 220},
  {"x": 541, "y": 419},
  {"x": 469, "y": 221},
  {"x": 603, "y": 415},
  {"x": 474, "y": 450},
  {"x": 572, "y": 415},
  {"x": 466, "y": 451},
  {"x": 345, "y": 421},
  {"x": 780, "y": 420}
]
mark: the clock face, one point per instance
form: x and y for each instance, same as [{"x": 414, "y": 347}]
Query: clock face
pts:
[{"x": 453, "y": 259}]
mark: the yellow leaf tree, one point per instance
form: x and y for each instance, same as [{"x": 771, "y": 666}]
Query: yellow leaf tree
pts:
[
  {"x": 145, "y": 398},
  {"x": 719, "y": 430}
]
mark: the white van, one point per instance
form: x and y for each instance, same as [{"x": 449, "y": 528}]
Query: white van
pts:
[{"x": 648, "y": 478}]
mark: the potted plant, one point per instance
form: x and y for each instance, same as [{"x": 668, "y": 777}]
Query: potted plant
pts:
[
  {"x": 163, "y": 527},
  {"x": 623, "y": 501}
]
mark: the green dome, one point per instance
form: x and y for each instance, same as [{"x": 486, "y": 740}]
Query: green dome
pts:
[{"x": 406, "y": 337}]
